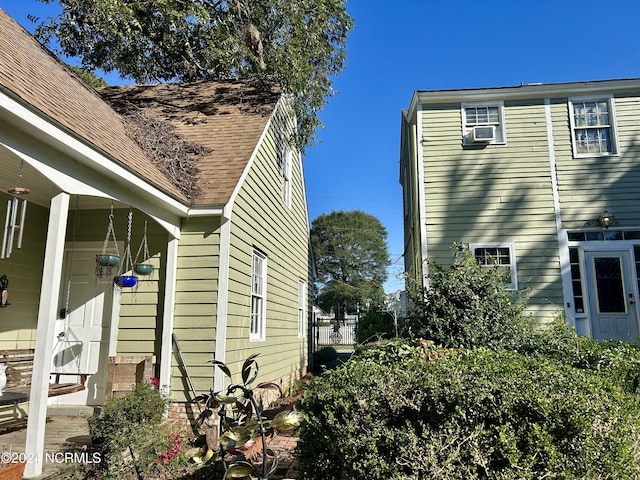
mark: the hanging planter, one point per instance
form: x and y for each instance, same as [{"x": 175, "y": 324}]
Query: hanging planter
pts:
[
  {"x": 126, "y": 280},
  {"x": 123, "y": 279},
  {"x": 107, "y": 260},
  {"x": 143, "y": 268}
]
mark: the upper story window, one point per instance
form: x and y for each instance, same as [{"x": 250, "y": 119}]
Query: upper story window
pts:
[
  {"x": 285, "y": 172},
  {"x": 483, "y": 123},
  {"x": 498, "y": 255},
  {"x": 593, "y": 130},
  {"x": 257, "y": 327}
]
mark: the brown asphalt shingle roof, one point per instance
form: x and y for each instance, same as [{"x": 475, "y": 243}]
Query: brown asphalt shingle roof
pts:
[
  {"x": 227, "y": 118},
  {"x": 32, "y": 73}
]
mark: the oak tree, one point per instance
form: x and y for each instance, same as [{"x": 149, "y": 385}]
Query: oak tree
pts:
[
  {"x": 296, "y": 45},
  {"x": 351, "y": 257}
]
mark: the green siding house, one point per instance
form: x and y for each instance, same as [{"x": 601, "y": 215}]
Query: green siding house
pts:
[
  {"x": 215, "y": 203},
  {"x": 542, "y": 180}
]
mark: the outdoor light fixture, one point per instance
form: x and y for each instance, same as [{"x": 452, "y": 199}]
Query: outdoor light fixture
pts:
[{"x": 606, "y": 218}]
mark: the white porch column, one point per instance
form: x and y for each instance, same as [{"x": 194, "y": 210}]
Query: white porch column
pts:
[
  {"x": 47, "y": 313},
  {"x": 166, "y": 349}
]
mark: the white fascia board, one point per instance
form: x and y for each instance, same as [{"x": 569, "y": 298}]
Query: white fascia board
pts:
[
  {"x": 534, "y": 90},
  {"x": 86, "y": 154},
  {"x": 228, "y": 207}
]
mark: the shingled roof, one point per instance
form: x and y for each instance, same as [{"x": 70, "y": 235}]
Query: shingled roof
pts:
[
  {"x": 31, "y": 73},
  {"x": 226, "y": 118}
]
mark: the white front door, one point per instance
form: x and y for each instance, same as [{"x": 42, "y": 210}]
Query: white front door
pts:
[
  {"x": 612, "y": 303},
  {"x": 82, "y": 328}
]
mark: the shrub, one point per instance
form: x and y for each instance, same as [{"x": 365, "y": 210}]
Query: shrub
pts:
[
  {"x": 467, "y": 306},
  {"x": 325, "y": 355},
  {"x": 375, "y": 325},
  {"x": 450, "y": 414},
  {"x": 130, "y": 439}
]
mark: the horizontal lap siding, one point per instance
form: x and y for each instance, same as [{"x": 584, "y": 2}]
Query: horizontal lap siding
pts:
[
  {"x": 139, "y": 313},
  {"x": 589, "y": 185},
  {"x": 261, "y": 220},
  {"x": 24, "y": 272},
  {"x": 141, "y": 306},
  {"x": 497, "y": 193},
  {"x": 196, "y": 303}
]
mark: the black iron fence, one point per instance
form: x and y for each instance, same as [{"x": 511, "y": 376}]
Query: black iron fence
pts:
[{"x": 336, "y": 336}]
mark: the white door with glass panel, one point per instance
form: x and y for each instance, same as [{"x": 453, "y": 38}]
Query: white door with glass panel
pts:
[
  {"x": 82, "y": 327},
  {"x": 612, "y": 302}
]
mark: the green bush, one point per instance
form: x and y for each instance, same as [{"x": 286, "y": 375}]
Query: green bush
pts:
[
  {"x": 375, "y": 325},
  {"x": 617, "y": 360},
  {"x": 130, "y": 440},
  {"x": 467, "y": 306},
  {"x": 480, "y": 414},
  {"x": 326, "y": 355}
]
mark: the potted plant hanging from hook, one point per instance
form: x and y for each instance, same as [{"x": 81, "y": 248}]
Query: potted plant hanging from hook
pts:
[
  {"x": 143, "y": 268},
  {"x": 123, "y": 280},
  {"x": 106, "y": 261}
]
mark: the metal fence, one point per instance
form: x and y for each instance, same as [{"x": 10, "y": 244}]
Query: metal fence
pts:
[{"x": 329, "y": 335}]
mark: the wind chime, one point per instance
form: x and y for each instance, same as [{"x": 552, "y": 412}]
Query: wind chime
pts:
[{"x": 12, "y": 224}]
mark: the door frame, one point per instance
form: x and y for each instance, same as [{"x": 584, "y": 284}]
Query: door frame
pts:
[
  {"x": 630, "y": 282},
  {"x": 110, "y": 312}
]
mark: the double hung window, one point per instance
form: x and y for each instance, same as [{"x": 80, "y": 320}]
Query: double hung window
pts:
[
  {"x": 483, "y": 123},
  {"x": 593, "y": 130},
  {"x": 498, "y": 255},
  {"x": 257, "y": 327}
]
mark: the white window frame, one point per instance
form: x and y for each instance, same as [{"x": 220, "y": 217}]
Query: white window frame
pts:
[
  {"x": 302, "y": 308},
  {"x": 467, "y": 125},
  {"x": 611, "y": 126},
  {"x": 513, "y": 284},
  {"x": 285, "y": 172},
  {"x": 258, "y": 307}
]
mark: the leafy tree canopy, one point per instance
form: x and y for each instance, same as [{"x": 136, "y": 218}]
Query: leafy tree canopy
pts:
[
  {"x": 296, "y": 45},
  {"x": 351, "y": 258},
  {"x": 89, "y": 76}
]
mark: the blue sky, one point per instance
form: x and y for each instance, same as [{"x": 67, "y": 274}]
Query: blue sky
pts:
[{"x": 406, "y": 45}]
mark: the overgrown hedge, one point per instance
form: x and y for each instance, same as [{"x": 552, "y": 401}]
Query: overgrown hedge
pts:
[{"x": 409, "y": 410}]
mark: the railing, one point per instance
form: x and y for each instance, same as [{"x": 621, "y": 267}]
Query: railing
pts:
[{"x": 329, "y": 335}]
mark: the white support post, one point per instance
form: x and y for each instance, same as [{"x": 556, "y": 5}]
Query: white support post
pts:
[
  {"x": 166, "y": 348},
  {"x": 47, "y": 312}
]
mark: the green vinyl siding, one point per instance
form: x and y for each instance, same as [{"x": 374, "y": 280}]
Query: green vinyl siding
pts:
[
  {"x": 24, "y": 272},
  {"x": 589, "y": 185},
  {"x": 196, "y": 303},
  {"x": 494, "y": 193},
  {"x": 262, "y": 221}
]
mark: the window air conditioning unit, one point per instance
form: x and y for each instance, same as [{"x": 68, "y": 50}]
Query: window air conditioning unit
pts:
[{"x": 483, "y": 134}]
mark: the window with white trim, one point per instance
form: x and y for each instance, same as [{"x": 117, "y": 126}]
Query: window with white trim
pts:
[
  {"x": 257, "y": 327},
  {"x": 285, "y": 172},
  {"x": 498, "y": 255},
  {"x": 483, "y": 123},
  {"x": 593, "y": 129},
  {"x": 302, "y": 308}
]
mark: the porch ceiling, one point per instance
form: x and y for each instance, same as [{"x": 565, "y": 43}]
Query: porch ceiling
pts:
[{"x": 16, "y": 173}]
